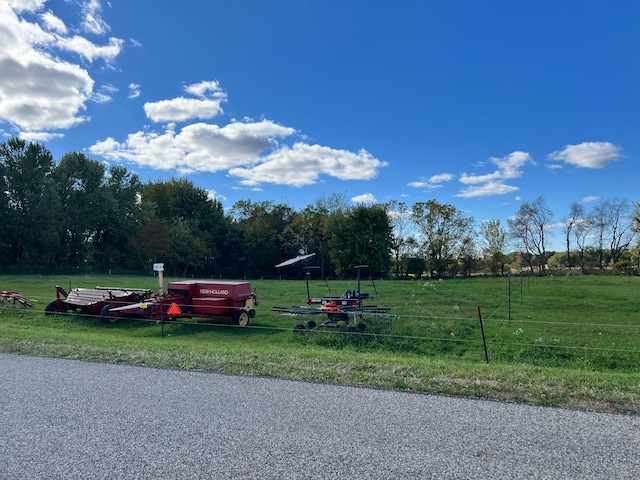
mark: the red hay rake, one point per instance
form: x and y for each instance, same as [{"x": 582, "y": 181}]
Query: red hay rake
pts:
[{"x": 14, "y": 299}]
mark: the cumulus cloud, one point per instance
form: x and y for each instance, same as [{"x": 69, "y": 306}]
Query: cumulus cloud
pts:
[
  {"x": 434, "y": 181},
  {"x": 208, "y": 104},
  {"x": 39, "y": 136},
  {"x": 487, "y": 189},
  {"x": 39, "y": 89},
  {"x": 89, "y": 50},
  {"x": 588, "y": 154},
  {"x": 364, "y": 198},
  {"x": 493, "y": 183},
  {"x": 198, "y": 147},
  {"x": 302, "y": 164},
  {"x": 441, "y": 178},
  {"x": 249, "y": 150}
]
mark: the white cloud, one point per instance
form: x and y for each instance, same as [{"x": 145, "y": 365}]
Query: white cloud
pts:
[
  {"x": 509, "y": 168},
  {"x": 40, "y": 90},
  {"x": 302, "y": 164},
  {"x": 134, "y": 90},
  {"x": 199, "y": 147},
  {"x": 364, "y": 198},
  {"x": 92, "y": 21},
  {"x": 419, "y": 184},
  {"x": 182, "y": 109},
  {"x": 588, "y": 154},
  {"x": 39, "y": 136},
  {"x": 434, "y": 182},
  {"x": 103, "y": 93},
  {"x": 90, "y": 50},
  {"x": 591, "y": 198},
  {"x": 206, "y": 89},
  {"x": 26, "y": 5},
  {"x": 213, "y": 195},
  {"x": 207, "y": 105},
  {"x": 53, "y": 23},
  {"x": 441, "y": 178},
  {"x": 490, "y": 188}
]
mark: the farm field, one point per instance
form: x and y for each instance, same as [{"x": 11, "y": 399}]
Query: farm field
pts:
[{"x": 570, "y": 341}]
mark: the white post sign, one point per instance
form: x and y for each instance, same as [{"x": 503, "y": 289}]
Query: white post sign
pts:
[{"x": 159, "y": 267}]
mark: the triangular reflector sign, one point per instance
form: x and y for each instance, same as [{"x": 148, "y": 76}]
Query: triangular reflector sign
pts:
[{"x": 174, "y": 309}]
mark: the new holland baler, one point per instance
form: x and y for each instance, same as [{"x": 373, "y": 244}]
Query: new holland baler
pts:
[{"x": 224, "y": 300}]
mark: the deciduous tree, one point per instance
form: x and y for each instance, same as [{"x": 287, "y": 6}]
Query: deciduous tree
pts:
[
  {"x": 444, "y": 231},
  {"x": 530, "y": 229}
]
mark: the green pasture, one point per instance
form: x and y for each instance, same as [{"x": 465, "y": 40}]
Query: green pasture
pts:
[{"x": 566, "y": 340}]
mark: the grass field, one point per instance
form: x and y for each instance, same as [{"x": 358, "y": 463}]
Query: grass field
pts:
[{"x": 571, "y": 341}]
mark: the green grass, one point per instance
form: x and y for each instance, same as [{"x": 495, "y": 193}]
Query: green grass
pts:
[{"x": 571, "y": 341}]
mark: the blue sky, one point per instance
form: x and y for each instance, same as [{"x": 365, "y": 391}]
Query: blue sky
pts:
[{"x": 482, "y": 105}]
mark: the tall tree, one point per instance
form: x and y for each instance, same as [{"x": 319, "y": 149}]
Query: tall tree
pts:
[
  {"x": 576, "y": 215},
  {"x": 197, "y": 222},
  {"x": 617, "y": 221},
  {"x": 494, "y": 242},
  {"x": 262, "y": 225},
  {"x": 581, "y": 233},
  {"x": 530, "y": 228},
  {"x": 362, "y": 236},
  {"x": 121, "y": 212},
  {"x": 401, "y": 221},
  {"x": 79, "y": 180},
  {"x": 444, "y": 230},
  {"x": 151, "y": 243},
  {"x": 29, "y": 203}
]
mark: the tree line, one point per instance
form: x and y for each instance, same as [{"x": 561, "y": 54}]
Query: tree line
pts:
[{"x": 76, "y": 214}]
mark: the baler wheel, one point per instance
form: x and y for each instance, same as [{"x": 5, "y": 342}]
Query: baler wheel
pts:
[
  {"x": 241, "y": 317},
  {"x": 104, "y": 315},
  {"x": 52, "y": 308}
]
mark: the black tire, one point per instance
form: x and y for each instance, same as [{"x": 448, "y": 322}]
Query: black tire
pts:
[
  {"x": 361, "y": 327},
  {"x": 299, "y": 328},
  {"x": 104, "y": 315},
  {"x": 252, "y": 313},
  {"x": 241, "y": 318},
  {"x": 311, "y": 324},
  {"x": 351, "y": 329},
  {"x": 52, "y": 308}
]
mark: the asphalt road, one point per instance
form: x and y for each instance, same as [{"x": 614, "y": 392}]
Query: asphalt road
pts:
[{"x": 66, "y": 419}]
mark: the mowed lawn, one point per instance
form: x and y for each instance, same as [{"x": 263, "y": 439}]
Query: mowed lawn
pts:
[{"x": 567, "y": 340}]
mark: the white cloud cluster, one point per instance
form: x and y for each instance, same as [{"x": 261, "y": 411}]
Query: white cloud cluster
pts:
[
  {"x": 45, "y": 88},
  {"x": 208, "y": 104},
  {"x": 39, "y": 90},
  {"x": 249, "y": 150},
  {"x": 588, "y": 154},
  {"x": 434, "y": 181},
  {"x": 508, "y": 168},
  {"x": 493, "y": 183},
  {"x": 584, "y": 155},
  {"x": 302, "y": 164},
  {"x": 364, "y": 198}
]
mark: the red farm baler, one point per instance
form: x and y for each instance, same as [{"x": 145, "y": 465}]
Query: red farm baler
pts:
[{"x": 234, "y": 301}]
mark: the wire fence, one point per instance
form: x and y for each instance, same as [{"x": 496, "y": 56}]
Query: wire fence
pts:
[{"x": 510, "y": 336}]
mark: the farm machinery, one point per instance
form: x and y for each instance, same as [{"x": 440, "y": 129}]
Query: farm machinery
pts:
[
  {"x": 234, "y": 301},
  {"x": 93, "y": 301},
  {"x": 14, "y": 299},
  {"x": 345, "y": 311}
]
